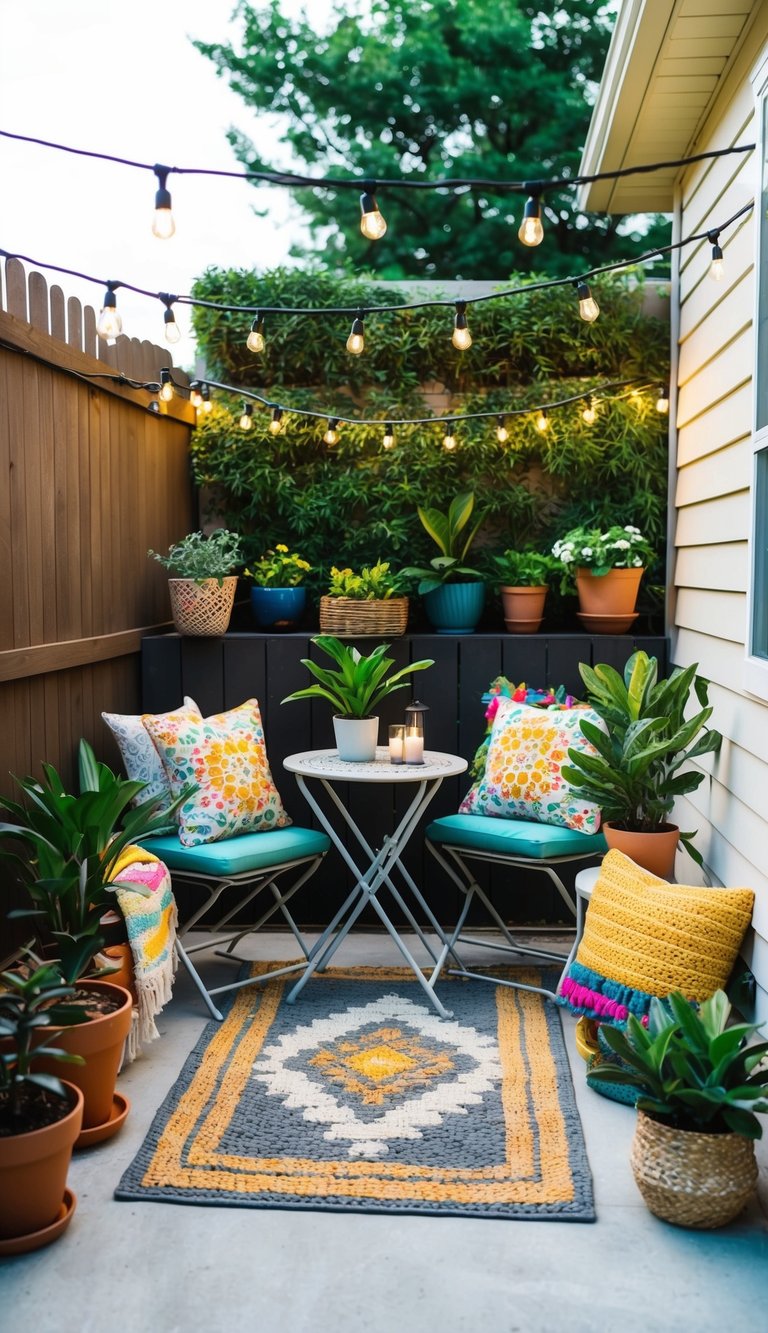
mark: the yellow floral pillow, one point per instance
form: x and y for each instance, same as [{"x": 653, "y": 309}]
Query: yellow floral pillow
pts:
[
  {"x": 226, "y": 756},
  {"x": 523, "y": 778}
]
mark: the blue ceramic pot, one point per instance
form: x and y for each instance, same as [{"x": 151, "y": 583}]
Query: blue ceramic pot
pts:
[
  {"x": 278, "y": 608},
  {"x": 455, "y": 608}
]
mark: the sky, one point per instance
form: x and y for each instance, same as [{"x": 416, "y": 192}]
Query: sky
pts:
[{"x": 126, "y": 80}]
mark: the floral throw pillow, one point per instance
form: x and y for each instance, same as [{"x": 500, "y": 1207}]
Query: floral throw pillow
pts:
[
  {"x": 523, "y": 778},
  {"x": 137, "y": 751},
  {"x": 226, "y": 756}
]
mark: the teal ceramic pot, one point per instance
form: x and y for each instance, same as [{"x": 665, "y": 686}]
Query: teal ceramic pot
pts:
[
  {"x": 455, "y": 608},
  {"x": 278, "y": 608}
]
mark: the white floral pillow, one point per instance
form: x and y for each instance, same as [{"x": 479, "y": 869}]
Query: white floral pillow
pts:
[
  {"x": 523, "y": 778},
  {"x": 140, "y": 759}
]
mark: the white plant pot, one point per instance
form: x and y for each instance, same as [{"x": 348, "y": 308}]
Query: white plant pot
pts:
[{"x": 356, "y": 738}]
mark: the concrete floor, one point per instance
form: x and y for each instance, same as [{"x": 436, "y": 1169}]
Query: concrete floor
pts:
[{"x": 161, "y": 1268}]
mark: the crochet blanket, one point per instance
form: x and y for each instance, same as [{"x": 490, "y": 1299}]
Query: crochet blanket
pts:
[{"x": 151, "y": 923}]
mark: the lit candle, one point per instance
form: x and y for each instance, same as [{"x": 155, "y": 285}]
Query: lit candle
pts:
[
  {"x": 414, "y": 748},
  {"x": 396, "y": 744}
]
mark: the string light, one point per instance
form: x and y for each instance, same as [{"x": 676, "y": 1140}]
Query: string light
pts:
[
  {"x": 716, "y": 267},
  {"x": 246, "y": 418},
  {"x": 256, "y": 341},
  {"x": 163, "y": 226},
  {"x": 389, "y": 437},
  {"x": 356, "y": 339},
  {"x": 542, "y": 421},
  {"x": 588, "y": 307},
  {"x": 110, "y": 325},
  {"x": 461, "y": 336},
  {"x": 206, "y": 397},
  {"x": 589, "y": 415},
  {"x": 372, "y": 224},
  {"x": 276, "y": 424},
  {"x": 195, "y": 394},
  {"x": 502, "y": 434},
  {"x": 331, "y": 435},
  {"x": 167, "y": 390},
  {"x": 531, "y": 231},
  {"x": 449, "y": 439},
  {"x": 172, "y": 330},
  {"x": 662, "y": 401}
]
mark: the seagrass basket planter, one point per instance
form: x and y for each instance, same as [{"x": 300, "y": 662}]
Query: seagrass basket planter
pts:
[
  {"x": 202, "y": 608},
  {"x": 349, "y": 616},
  {"x": 692, "y": 1179}
]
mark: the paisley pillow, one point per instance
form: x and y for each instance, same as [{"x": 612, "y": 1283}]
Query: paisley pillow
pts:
[
  {"x": 523, "y": 779},
  {"x": 226, "y": 756},
  {"x": 140, "y": 758}
]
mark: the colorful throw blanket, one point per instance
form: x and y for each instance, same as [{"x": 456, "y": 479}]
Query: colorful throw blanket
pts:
[{"x": 151, "y": 924}]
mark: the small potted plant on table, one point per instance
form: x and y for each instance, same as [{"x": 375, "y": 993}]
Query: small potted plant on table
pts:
[
  {"x": 522, "y": 580},
  {"x": 202, "y": 589},
  {"x": 355, "y": 689},
  {"x": 454, "y": 593},
  {"x": 607, "y": 567},
  {"x": 278, "y": 596},
  {"x": 370, "y": 602}
]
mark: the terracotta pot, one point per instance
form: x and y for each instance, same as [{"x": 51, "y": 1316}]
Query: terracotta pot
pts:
[
  {"x": 611, "y": 594},
  {"x": 652, "y": 851},
  {"x": 523, "y": 608},
  {"x": 100, "y": 1042},
  {"x": 125, "y": 975},
  {"x": 692, "y": 1179},
  {"x": 33, "y": 1171}
]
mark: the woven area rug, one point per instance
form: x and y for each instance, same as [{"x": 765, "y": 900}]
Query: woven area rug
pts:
[{"x": 360, "y": 1098}]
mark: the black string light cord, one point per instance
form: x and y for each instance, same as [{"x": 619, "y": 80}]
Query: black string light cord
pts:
[{"x": 291, "y": 178}]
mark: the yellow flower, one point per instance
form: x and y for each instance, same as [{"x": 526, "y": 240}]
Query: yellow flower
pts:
[{"x": 280, "y": 547}]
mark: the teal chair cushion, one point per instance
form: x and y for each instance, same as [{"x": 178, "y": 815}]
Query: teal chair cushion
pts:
[
  {"x": 514, "y": 837},
  {"x": 236, "y": 856}
]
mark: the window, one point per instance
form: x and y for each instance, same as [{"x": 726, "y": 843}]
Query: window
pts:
[{"x": 756, "y": 666}]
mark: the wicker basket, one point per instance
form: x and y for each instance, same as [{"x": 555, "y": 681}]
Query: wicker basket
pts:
[
  {"x": 202, "y": 608},
  {"x": 692, "y": 1179},
  {"x": 347, "y": 616}
]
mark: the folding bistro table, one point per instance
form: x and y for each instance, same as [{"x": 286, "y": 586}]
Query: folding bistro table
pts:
[{"x": 377, "y": 867}]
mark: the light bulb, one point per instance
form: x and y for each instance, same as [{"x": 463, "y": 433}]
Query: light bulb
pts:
[
  {"x": 163, "y": 225},
  {"x": 256, "y": 341},
  {"x": 110, "y": 325},
  {"x": 331, "y": 434},
  {"x": 588, "y": 307},
  {"x": 195, "y": 396},
  {"x": 589, "y": 415},
  {"x": 531, "y": 231},
  {"x": 206, "y": 396},
  {"x": 449, "y": 440},
  {"x": 542, "y": 421},
  {"x": 166, "y": 386},
  {"x": 172, "y": 330},
  {"x": 372, "y": 224},
  {"x": 662, "y": 402},
  {"x": 716, "y": 268},
  {"x": 356, "y": 339},
  {"x": 276, "y": 424},
  {"x": 461, "y": 337},
  {"x": 389, "y": 437},
  {"x": 502, "y": 434},
  {"x": 246, "y": 420}
]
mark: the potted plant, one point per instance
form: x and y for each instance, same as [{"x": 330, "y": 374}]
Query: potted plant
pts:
[
  {"x": 522, "y": 581},
  {"x": 354, "y": 689},
  {"x": 70, "y": 845},
  {"x": 453, "y": 592},
  {"x": 40, "y": 1117},
  {"x": 607, "y": 567},
  {"x": 371, "y": 602},
  {"x": 699, "y": 1083},
  {"x": 202, "y": 589},
  {"x": 278, "y": 596},
  {"x": 636, "y": 774}
]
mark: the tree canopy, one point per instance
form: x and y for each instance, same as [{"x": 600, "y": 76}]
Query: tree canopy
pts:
[{"x": 423, "y": 89}]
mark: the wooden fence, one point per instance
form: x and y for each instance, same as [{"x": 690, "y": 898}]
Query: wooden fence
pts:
[{"x": 91, "y": 478}]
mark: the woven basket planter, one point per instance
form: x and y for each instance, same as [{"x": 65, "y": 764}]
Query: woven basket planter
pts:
[
  {"x": 346, "y": 616},
  {"x": 202, "y": 608},
  {"x": 691, "y": 1179}
]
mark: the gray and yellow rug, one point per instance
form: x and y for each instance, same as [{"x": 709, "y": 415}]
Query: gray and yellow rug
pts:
[{"x": 360, "y": 1097}]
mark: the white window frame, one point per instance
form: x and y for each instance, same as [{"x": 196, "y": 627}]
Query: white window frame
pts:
[{"x": 755, "y": 678}]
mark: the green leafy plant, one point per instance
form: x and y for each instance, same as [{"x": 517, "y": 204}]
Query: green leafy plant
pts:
[
  {"x": 523, "y": 569},
  {"x": 199, "y": 557},
  {"x": 280, "y": 568},
  {"x": 454, "y": 534},
  {"x": 691, "y": 1070},
  {"x": 373, "y": 583},
  {"x": 71, "y": 845},
  {"x": 29, "y": 1003},
  {"x": 598, "y": 551},
  {"x": 360, "y": 681},
  {"x": 636, "y": 775}
]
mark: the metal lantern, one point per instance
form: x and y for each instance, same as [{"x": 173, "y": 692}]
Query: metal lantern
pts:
[{"x": 414, "y": 732}]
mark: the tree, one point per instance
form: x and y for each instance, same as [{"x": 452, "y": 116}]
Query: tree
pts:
[{"x": 422, "y": 89}]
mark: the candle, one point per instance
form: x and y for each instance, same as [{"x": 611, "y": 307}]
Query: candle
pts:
[
  {"x": 396, "y": 744},
  {"x": 414, "y": 748}
]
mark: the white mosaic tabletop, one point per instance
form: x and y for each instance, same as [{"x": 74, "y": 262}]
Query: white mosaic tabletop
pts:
[{"x": 326, "y": 764}]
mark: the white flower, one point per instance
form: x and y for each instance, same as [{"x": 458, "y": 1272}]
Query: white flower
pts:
[
  {"x": 566, "y": 556},
  {"x": 629, "y": 528},
  {"x": 637, "y": 562},
  {"x": 587, "y": 551},
  {"x": 622, "y": 545}
]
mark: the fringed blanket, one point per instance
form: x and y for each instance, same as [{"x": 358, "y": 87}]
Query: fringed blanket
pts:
[{"x": 151, "y": 924}]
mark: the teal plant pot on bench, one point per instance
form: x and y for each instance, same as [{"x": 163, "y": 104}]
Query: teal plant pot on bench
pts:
[
  {"x": 278, "y": 608},
  {"x": 455, "y": 608}
]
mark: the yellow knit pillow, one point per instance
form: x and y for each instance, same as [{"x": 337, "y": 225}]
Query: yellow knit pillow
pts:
[{"x": 645, "y": 937}]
